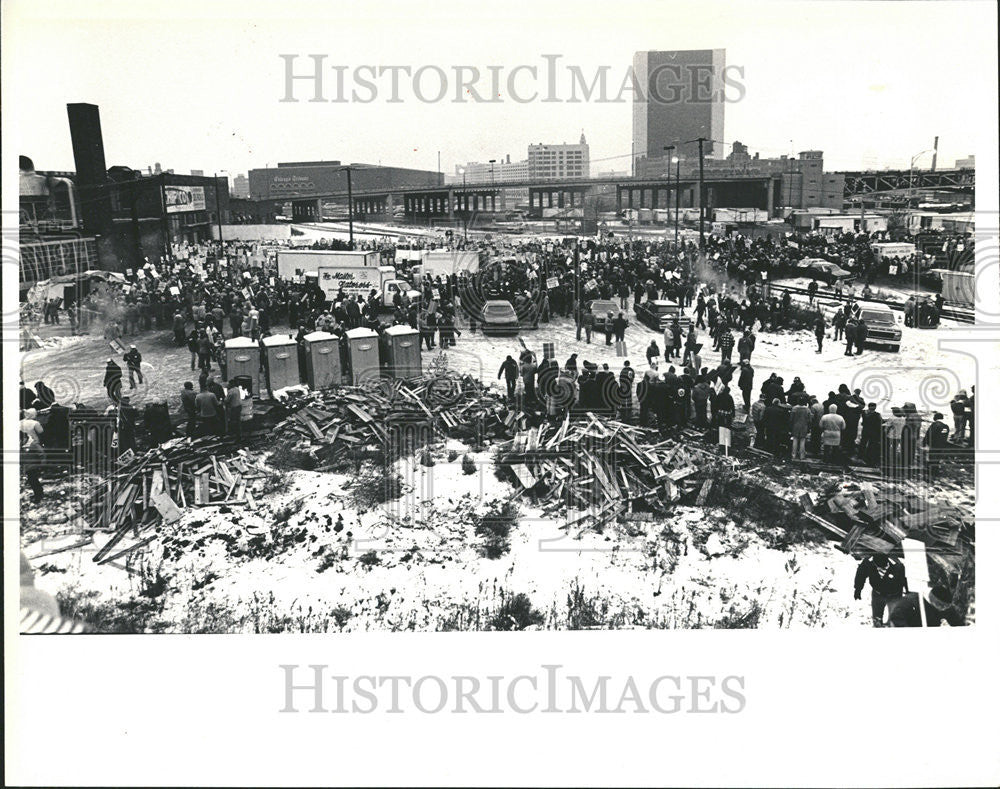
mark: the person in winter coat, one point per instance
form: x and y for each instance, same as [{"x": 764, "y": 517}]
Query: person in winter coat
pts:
[
  {"x": 588, "y": 324},
  {"x": 936, "y": 444},
  {"x": 113, "y": 381},
  {"x": 861, "y": 334},
  {"x": 700, "y": 396},
  {"x": 571, "y": 367},
  {"x": 850, "y": 337},
  {"x": 690, "y": 346},
  {"x": 625, "y": 379},
  {"x": 887, "y": 578},
  {"x": 746, "y": 345},
  {"x": 832, "y": 425},
  {"x": 757, "y": 419},
  {"x": 133, "y": 359},
  {"x": 509, "y": 371},
  {"x": 652, "y": 355},
  {"x": 775, "y": 426},
  {"x": 839, "y": 322},
  {"x": 870, "y": 447},
  {"x": 820, "y": 329},
  {"x": 801, "y": 426},
  {"x": 528, "y": 371},
  {"x": 619, "y": 325},
  {"x": 745, "y": 383},
  {"x": 678, "y": 337},
  {"x": 644, "y": 394},
  {"x": 726, "y": 343},
  {"x": 723, "y": 408}
]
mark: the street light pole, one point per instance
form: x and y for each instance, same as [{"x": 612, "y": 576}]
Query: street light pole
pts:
[
  {"x": 677, "y": 201},
  {"x": 465, "y": 210},
  {"x": 218, "y": 207},
  {"x": 669, "y": 160},
  {"x": 350, "y": 210}
]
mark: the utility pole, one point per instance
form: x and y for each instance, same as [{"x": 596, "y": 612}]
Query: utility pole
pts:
[
  {"x": 701, "y": 191},
  {"x": 669, "y": 148},
  {"x": 677, "y": 204},
  {"x": 350, "y": 210},
  {"x": 218, "y": 208}
]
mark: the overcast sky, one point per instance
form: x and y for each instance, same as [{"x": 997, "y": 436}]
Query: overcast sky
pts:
[{"x": 194, "y": 87}]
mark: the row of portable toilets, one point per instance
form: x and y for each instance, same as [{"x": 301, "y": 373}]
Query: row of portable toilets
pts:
[{"x": 359, "y": 356}]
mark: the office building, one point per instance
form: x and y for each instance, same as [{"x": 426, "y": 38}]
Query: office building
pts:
[
  {"x": 241, "y": 187},
  {"x": 559, "y": 161},
  {"x": 680, "y": 97}
]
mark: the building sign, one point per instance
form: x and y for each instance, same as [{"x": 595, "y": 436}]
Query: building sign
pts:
[{"x": 184, "y": 198}]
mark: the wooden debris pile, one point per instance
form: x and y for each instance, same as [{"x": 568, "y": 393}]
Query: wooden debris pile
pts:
[
  {"x": 152, "y": 489},
  {"x": 330, "y": 423},
  {"x": 601, "y": 469},
  {"x": 875, "y": 518}
]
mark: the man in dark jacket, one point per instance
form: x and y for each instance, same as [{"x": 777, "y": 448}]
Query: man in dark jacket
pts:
[
  {"x": 509, "y": 371},
  {"x": 861, "y": 334},
  {"x": 820, "y": 329},
  {"x": 887, "y": 578},
  {"x": 936, "y": 444},
  {"x": 134, "y": 361},
  {"x": 625, "y": 380},
  {"x": 870, "y": 447},
  {"x": 776, "y": 426},
  {"x": 850, "y": 336},
  {"x": 745, "y": 383},
  {"x": 188, "y": 404},
  {"x": 113, "y": 381},
  {"x": 528, "y": 371}
]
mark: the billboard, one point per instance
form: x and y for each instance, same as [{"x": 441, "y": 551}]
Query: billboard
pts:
[{"x": 184, "y": 198}]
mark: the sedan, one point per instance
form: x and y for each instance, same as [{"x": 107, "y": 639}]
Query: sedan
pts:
[{"x": 499, "y": 317}]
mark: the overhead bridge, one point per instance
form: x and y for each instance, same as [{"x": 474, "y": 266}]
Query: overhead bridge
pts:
[
  {"x": 870, "y": 183},
  {"x": 463, "y": 200}
]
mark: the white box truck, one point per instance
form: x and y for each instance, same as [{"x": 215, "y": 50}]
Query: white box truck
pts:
[
  {"x": 294, "y": 264},
  {"x": 361, "y": 280},
  {"x": 439, "y": 262}
]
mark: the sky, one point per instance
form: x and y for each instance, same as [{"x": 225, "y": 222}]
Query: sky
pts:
[{"x": 200, "y": 85}]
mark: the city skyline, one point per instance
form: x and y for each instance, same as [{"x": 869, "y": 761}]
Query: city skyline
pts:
[{"x": 238, "y": 124}]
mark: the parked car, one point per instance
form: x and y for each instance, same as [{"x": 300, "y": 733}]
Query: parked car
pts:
[
  {"x": 660, "y": 313},
  {"x": 499, "y": 317},
  {"x": 601, "y": 308},
  {"x": 883, "y": 328},
  {"x": 824, "y": 270}
]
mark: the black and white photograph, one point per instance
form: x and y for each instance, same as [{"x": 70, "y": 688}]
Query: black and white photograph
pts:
[{"x": 428, "y": 326}]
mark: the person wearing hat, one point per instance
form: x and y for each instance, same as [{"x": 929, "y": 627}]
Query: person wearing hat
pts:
[
  {"x": 935, "y": 444},
  {"x": 133, "y": 359},
  {"x": 887, "y": 578}
]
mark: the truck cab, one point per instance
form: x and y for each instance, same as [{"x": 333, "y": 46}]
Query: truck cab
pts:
[{"x": 883, "y": 328}]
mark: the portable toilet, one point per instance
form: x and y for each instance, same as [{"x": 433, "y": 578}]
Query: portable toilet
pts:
[
  {"x": 401, "y": 351},
  {"x": 243, "y": 359},
  {"x": 361, "y": 355},
  {"x": 281, "y": 362},
  {"x": 323, "y": 367}
]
